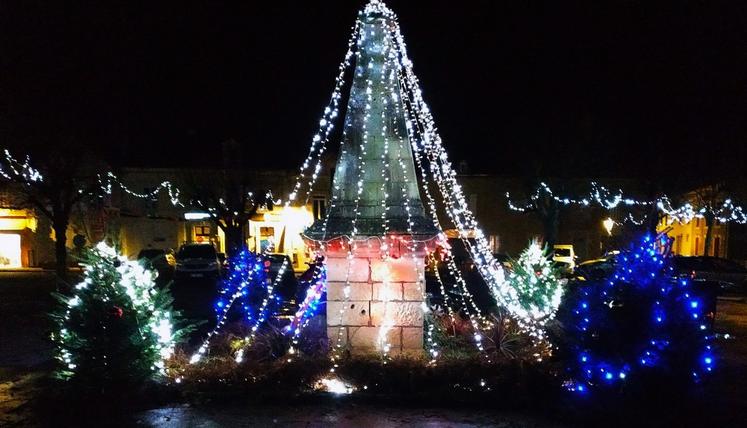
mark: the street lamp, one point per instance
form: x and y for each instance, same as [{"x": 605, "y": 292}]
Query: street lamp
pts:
[{"x": 608, "y": 225}]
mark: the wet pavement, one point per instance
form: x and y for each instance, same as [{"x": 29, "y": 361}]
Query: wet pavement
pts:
[{"x": 344, "y": 415}]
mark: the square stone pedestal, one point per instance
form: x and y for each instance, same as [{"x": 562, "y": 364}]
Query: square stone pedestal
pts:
[{"x": 383, "y": 293}]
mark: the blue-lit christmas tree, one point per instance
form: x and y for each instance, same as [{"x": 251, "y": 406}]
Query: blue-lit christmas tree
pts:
[{"x": 644, "y": 319}]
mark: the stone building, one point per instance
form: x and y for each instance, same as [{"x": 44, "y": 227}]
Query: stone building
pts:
[{"x": 163, "y": 223}]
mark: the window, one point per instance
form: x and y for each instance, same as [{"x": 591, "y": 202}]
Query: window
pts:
[
  {"x": 563, "y": 252},
  {"x": 319, "y": 207},
  {"x": 678, "y": 245},
  {"x": 495, "y": 243},
  {"x": 202, "y": 231},
  {"x": 10, "y": 250},
  {"x": 266, "y": 238},
  {"x": 697, "y": 245},
  {"x": 717, "y": 247},
  {"x": 197, "y": 252}
]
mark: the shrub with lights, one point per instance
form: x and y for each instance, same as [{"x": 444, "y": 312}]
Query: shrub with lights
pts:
[
  {"x": 536, "y": 282},
  {"x": 117, "y": 328},
  {"x": 245, "y": 286},
  {"x": 643, "y": 320},
  {"x": 250, "y": 290}
]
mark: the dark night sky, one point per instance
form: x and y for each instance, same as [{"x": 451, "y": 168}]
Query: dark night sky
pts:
[{"x": 600, "y": 88}]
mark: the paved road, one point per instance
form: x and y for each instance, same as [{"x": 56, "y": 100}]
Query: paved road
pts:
[
  {"x": 25, "y": 301},
  {"x": 344, "y": 415}
]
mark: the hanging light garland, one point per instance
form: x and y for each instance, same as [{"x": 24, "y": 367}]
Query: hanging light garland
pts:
[
  {"x": 336, "y": 355},
  {"x": 16, "y": 170},
  {"x": 445, "y": 178},
  {"x": 723, "y": 212}
]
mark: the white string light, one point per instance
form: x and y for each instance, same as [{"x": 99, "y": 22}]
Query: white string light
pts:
[
  {"x": 723, "y": 212},
  {"x": 456, "y": 206},
  {"x": 352, "y": 246}
]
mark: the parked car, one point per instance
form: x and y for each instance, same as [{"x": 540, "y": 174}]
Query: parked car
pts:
[
  {"x": 197, "y": 261},
  {"x": 564, "y": 256},
  {"x": 163, "y": 261},
  {"x": 287, "y": 284},
  {"x": 702, "y": 272},
  {"x": 728, "y": 276},
  {"x": 592, "y": 270},
  {"x": 286, "y": 287}
]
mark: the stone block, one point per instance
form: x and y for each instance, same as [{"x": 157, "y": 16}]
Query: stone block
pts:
[
  {"x": 413, "y": 291},
  {"x": 412, "y": 337},
  {"x": 386, "y": 291},
  {"x": 358, "y": 291},
  {"x": 354, "y": 312},
  {"x": 404, "y": 269},
  {"x": 367, "y": 338},
  {"x": 332, "y": 335},
  {"x": 406, "y": 314},
  {"x": 337, "y": 269}
]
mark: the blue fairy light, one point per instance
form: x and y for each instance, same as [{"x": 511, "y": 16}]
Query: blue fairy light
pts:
[{"x": 646, "y": 274}]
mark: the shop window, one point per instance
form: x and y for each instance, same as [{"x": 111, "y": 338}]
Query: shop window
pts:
[
  {"x": 10, "y": 250},
  {"x": 202, "y": 233},
  {"x": 266, "y": 238}
]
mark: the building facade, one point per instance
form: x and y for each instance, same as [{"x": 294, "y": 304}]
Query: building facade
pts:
[
  {"x": 164, "y": 222},
  {"x": 136, "y": 223}
]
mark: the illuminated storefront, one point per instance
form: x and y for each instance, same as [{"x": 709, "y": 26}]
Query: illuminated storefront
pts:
[
  {"x": 16, "y": 227},
  {"x": 279, "y": 231}
]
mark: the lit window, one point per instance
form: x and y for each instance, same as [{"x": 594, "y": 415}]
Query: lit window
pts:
[
  {"x": 202, "y": 231},
  {"x": 495, "y": 243}
]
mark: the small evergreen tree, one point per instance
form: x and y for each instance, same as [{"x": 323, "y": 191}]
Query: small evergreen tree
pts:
[
  {"x": 117, "y": 328},
  {"x": 536, "y": 281}
]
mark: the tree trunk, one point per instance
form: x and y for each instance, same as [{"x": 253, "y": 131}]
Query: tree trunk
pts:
[
  {"x": 60, "y": 247},
  {"x": 709, "y": 220},
  {"x": 550, "y": 225},
  {"x": 652, "y": 220},
  {"x": 234, "y": 240}
]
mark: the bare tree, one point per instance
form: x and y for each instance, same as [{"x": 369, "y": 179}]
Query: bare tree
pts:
[
  {"x": 231, "y": 199},
  {"x": 541, "y": 201},
  {"x": 53, "y": 185},
  {"x": 715, "y": 205}
]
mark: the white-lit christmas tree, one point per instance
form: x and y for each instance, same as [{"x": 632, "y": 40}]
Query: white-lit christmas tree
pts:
[
  {"x": 536, "y": 281},
  {"x": 117, "y": 328}
]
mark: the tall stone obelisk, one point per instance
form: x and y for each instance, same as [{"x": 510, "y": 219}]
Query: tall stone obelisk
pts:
[{"x": 377, "y": 216}]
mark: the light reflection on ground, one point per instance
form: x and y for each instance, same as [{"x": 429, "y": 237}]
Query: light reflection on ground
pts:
[{"x": 345, "y": 415}]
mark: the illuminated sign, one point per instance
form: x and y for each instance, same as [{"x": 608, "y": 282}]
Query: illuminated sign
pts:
[{"x": 196, "y": 216}]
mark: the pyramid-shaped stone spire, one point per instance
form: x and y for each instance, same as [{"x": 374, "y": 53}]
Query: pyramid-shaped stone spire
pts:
[{"x": 375, "y": 153}]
